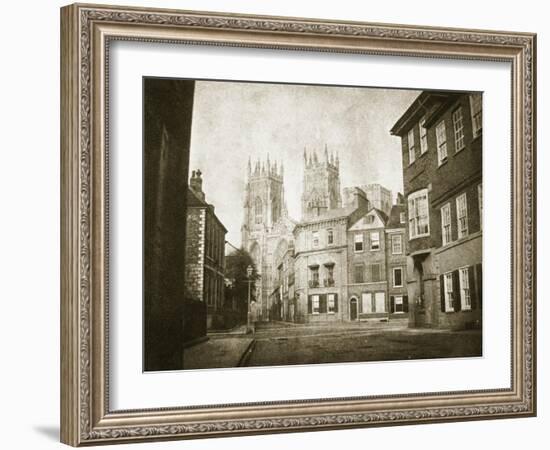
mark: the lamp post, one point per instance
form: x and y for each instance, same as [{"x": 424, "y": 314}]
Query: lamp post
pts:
[{"x": 249, "y": 274}]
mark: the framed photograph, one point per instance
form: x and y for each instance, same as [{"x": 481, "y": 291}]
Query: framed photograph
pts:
[{"x": 276, "y": 224}]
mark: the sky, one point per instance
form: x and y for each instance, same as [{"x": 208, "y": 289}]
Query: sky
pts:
[{"x": 233, "y": 121}]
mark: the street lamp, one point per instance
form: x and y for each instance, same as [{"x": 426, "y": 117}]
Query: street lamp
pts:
[{"x": 249, "y": 274}]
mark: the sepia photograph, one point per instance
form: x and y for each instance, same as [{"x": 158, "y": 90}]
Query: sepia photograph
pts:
[{"x": 292, "y": 224}]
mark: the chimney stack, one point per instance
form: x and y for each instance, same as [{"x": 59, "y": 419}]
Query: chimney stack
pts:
[{"x": 196, "y": 184}]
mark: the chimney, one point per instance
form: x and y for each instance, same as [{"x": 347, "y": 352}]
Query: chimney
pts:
[
  {"x": 400, "y": 199},
  {"x": 196, "y": 184}
]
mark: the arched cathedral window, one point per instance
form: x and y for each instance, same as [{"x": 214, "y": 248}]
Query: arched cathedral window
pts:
[{"x": 258, "y": 210}]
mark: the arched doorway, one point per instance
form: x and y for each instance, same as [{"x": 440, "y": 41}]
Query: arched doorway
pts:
[{"x": 353, "y": 308}]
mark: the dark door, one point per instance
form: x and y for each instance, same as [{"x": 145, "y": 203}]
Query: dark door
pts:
[{"x": 353, "y": 309}]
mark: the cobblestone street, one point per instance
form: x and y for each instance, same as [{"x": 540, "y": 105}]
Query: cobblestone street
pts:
[{"x": 278, "y": 343}]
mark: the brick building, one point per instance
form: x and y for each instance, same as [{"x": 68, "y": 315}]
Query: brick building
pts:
[
  {"x": 205, "y": 252},
  {"x": 442, "y": 173},
  {"x": 396, "y": 260}
]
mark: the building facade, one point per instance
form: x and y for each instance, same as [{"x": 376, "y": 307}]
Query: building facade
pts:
[
  {"x": 205, "y": 252},
  {"x": 442, "y": 172}
]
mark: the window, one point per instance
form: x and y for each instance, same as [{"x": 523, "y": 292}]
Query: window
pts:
[
  {"x": 380, "y": 302},
  {"x": 358, "y": 273},
  {"x": 465, "y": 288},
  {"x": 331, "y": 301},
  {"x": 446, "y": 224},
  {"x": 402, "y": 217},
  {"x": 366, "y": 303},
  {"x": 330, "y": 276},
  {"x": 398, "y": 304},
  {"x": 315, "y": 304},
  {"x": 358, "y": 240},
  {"x": 480, "y": 204},
  {"x": 375, "y": 240},
  {"x": 418, "y": 214},
  {"x": 375, "y": 272},
  {"x": 258, "y": 210},
  {"x": 475, "y": 108},
  {"x": 396, "y": 244},
  {"x": 441, "y": 138},
  {"x": 330, "y": 236},
  {"x": 315, "y": 238},
  {"x": 397, "y": 277},
  {"x": 458, "y": 127},
  {"x": 423, "y": 136},
  {"x": 314, "y": 276},
  {"x": 448, "y": 279},
  {"x": 410, "y": 141},
  {"x": 462, "y": 215}
]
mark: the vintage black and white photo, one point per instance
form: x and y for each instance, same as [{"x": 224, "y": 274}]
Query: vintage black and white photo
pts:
[{"x": 304, "y": 224}]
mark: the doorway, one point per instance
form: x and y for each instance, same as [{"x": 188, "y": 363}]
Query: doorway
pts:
[{"x": 353, "y": 309}]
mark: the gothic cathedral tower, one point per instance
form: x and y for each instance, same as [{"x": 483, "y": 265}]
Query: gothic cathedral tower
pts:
[
  {"x": 321, "y": 184},
  {"x": 264, "y": 202}
]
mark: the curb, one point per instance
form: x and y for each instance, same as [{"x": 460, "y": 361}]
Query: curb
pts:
[{"x": 243, "y": 361}]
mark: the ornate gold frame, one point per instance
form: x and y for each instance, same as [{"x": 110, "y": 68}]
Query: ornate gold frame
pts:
[{"x": 86, "y": 31}]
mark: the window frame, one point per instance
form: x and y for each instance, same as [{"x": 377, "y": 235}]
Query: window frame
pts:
[
  {"x": 396, "y": 303},
  {"x": 393, "y": 237},
  {"x": 465, "y": 288},
  {"x": 394, "y": 269},
  {"x": 361, "y": 241},
  {"x": 329, "y": 304},
  {"x": 446, "y": 212},
  {"x": 423, "y": 132},
  {"x": 313, "y": 311},
  {"x": 441, "y": 132},
  {"x": 411, "y": 147},
  {"x": 356, "y": 267},
  {"x": 315, "y": 239},
  {"x": 458, "y": 129},
  {"x": 477, "y": 123},
  {"x": 377, "y": 234},
  {"x": 449, "y": 300},
  {"x": 414, "y": 197},
  {"x": 330, "y": 236},
  {"x": 462, "y": 233}
]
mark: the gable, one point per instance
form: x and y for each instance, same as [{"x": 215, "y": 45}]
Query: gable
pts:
[{"x": 369, "y": 221}]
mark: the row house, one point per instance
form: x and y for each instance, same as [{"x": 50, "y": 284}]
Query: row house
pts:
[
  {"x": 441, "y": 134},
  {"x": 377, "y": 261},
  {"x": 205, "y": 253}
]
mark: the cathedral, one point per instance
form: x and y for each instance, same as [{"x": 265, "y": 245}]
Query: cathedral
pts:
[{"x": 267, "y": 230}]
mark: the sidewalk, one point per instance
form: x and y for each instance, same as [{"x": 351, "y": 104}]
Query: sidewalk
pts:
[{"x": 216, "y": 353}]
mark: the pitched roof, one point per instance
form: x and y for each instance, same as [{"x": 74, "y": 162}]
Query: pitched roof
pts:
[
  {"x": 395, "y": 217},
  {"x": 193, "y": 200}
]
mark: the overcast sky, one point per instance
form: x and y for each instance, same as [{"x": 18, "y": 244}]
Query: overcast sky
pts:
[{"x": 232, "y": 121}]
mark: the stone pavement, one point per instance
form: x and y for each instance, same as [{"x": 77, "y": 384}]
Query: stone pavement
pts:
[{"x": 217, "y": 352}]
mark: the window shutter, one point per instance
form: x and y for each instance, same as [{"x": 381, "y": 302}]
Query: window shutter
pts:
[
  {"x": 392, "y": 304},
  {"x": 442, "y": 291},
  {"x": 335, "y": 302},
  {"x": 456, "y": 291},
  {"x": 309, "y": 305},
  {"x": 406, "y": 303},
  {"x": 472, "y": 287},
  {"x": 479, "y": 278},
  {"x": 323, "y": 303},
  {"x": 360, "y": 305}
]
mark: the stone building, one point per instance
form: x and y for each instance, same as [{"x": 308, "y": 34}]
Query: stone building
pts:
[
  {"x": 205, "y": 252},
  {"x": 321, "y": 262},
  {"x": 266, "y": 226},
  {"x": 442, "y": 172}
]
